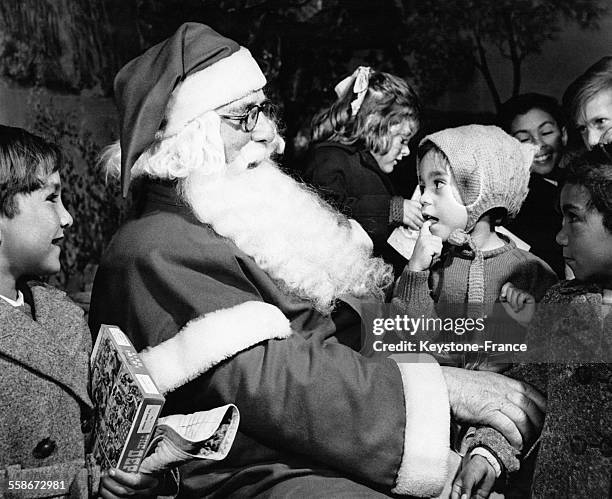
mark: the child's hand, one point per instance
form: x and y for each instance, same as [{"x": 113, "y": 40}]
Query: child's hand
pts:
[
  {"x": 117, "y": 483},
  {"x": 427, "y": 248},
  {"x": 476, "y": 479},
  {"x": 413, "y": 218},
  {"x": 518, "y": 304}
]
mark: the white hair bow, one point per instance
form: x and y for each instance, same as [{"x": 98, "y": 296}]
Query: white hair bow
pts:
[{"x": 360, "y": 87}]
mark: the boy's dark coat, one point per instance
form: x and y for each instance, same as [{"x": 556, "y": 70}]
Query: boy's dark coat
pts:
[{"x": 575, "y": 455}]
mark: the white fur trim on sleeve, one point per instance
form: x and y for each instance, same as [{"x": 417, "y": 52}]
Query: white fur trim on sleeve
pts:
[
  {"x": 225, "y": 81},
  {"x": 424, "y": 466},
  {"x": 210, "y": 339}
]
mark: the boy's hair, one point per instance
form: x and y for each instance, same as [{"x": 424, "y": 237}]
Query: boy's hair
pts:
[
  {"x": 593, "y": 171},
  {"x": 389, "y": 101},
  {"x": 25, "y": 160},
  {"x": 522, "y": 104},
  {"x": 596, "y": 78}
]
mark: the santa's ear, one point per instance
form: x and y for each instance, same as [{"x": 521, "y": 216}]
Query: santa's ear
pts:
[{"x": 564, "y": 135}]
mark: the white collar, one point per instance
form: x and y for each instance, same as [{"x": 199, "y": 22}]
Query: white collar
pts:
[
  {"x": 607, "y": 297},
  {"x": 15, "y": 303}
]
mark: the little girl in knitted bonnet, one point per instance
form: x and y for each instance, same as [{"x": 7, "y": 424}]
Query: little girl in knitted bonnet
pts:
[{"x": 471, "y": 177}]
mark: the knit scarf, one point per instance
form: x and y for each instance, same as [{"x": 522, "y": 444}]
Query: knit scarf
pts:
[{"x": 476, "y": 273}]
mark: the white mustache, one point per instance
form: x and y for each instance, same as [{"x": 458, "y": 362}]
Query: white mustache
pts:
[{"x": 254, "y": 153}]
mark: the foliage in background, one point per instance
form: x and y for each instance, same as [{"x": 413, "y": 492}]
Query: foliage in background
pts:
[
  {"x": 60, "y": 44},
  {"x": 95, "y": 205},
  {"x": 448, "y": 39},
  {"x": 305, "y": 46}
]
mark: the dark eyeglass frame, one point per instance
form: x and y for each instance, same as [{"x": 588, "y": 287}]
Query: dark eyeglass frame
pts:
[{"x": 248, "y": 120}]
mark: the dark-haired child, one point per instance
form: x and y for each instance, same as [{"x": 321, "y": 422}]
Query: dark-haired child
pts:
[
  {"x": 571, "y": 337},
  {"x": 45, "y": 410}
]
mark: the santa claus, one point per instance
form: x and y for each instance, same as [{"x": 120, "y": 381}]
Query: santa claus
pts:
[{"x": 227, "y": 280}]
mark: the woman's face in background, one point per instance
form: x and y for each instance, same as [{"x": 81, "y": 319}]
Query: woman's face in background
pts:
[
  {"x": 538, "y": 127},
  {"x": 399, "y": 137}
]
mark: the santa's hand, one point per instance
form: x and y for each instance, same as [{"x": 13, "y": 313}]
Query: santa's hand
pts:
[
  {"x": 485, "y": 398},
  {"x": 413, "y": 218},
  {"x": 518, "y": 304},
  {"x": 427, "y": 248}
]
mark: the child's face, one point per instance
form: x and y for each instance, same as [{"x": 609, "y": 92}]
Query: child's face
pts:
[
  {"x": 595, "y": 118},
  {"x": 399, "y": 137},
  {"x": 541, "y": 129},
  {"x": 439, "y": 198},
  {"x": 587, "y": 244},
  {"x": 29, "y": 242}
]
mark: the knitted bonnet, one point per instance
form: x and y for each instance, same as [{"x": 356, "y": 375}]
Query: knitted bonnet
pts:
[{"x": 491, "y": 170}]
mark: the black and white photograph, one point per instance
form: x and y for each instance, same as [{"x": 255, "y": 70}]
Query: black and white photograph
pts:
[{"x": 381, "y": 230}]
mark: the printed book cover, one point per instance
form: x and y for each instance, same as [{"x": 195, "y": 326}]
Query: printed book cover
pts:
[{"x": 126, "y": 401}]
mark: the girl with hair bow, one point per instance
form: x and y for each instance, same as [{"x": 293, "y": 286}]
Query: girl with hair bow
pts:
[{"x": 357, "y": 142}]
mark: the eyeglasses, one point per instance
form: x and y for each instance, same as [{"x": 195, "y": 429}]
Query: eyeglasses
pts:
[{"x": 248, "y": 120}]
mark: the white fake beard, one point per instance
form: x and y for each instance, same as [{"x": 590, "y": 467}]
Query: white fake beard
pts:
[{"x": 312, "y": 250}]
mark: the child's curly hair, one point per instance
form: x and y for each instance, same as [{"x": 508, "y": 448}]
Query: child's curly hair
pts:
[
  {"x": 389, "y": 101},
  {"x": 593, "y": 171}
]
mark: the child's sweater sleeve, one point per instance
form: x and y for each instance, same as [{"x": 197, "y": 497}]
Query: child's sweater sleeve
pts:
[
  {"x": 494, "y": 442},
  {"x": 533, "y": 275},
  {"x": 412, "y": 294}
]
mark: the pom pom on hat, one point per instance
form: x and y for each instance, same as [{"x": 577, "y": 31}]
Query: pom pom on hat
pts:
[
  {"x": 490, "y": 168},
  {"x": 194, "y": 71}
]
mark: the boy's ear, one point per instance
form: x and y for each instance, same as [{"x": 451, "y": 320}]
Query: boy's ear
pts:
[{"x": 564, "y": 136}]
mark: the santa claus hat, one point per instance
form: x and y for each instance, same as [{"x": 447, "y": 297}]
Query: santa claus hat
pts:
[{"x": 172, "y": 83}]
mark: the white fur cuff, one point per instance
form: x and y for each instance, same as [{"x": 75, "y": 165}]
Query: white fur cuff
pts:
[
  {"x": 223, "y": 82},
  {"x": 206, "y": 341},
  {"x": 424, "y": 466}
]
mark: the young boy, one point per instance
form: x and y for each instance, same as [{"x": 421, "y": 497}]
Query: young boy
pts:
[
  {"x": 537, "y": 119},
  {"x": 45, "y": 410},
  {"x": 572, "y": 331},
  {"x": 471, "y": 177}
]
